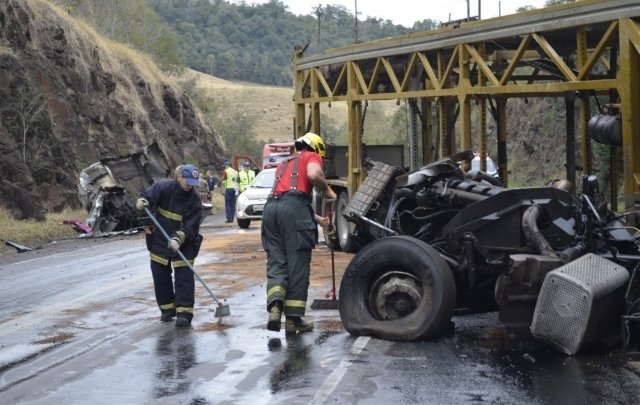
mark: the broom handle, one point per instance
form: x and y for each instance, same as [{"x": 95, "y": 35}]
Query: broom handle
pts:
[
  {"x": 157, "y": 224},
  {"x": 329, "y": 210},
  {"x": 333, "y": 273}
]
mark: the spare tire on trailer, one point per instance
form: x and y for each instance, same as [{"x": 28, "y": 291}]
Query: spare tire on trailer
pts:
[{"x": 397, "y": 288}]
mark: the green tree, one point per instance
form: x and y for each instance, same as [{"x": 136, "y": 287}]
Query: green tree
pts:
[{"x": 239, "y": 35}]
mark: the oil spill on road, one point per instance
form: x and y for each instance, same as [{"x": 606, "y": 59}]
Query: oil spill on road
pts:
[
  {"x": 539, "y": 371},
  {"x": 242, "y": 264},
  {"x": 213, "y": 326}
]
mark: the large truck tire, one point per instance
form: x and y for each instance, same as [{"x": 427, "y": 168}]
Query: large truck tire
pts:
[
  {"x": 344, "y": 228},
  {"x": 397, "y": 288}
]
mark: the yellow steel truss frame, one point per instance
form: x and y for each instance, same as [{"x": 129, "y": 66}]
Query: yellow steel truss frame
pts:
[{"x": 543, "y": 53}]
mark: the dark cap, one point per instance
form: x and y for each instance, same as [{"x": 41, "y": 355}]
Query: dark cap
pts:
[{"x": 191, "y": 174}]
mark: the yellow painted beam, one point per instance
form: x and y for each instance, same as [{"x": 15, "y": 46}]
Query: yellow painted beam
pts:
[
  {"x": 555, "y": 58},
  {"x": 411, "y": 67},
  {"x": 587, "y": 65},
  {"x": 392, "y": 76},
  {"x": 341, "y": 79},
  {"x": 584, "y": 115},
  {"x": 464, "y": 101},
  {"x": 430, "y": 73},
  {"x": 524, "y": 90},
  {"x": 374, "y": 77},
  {"x": 362, "y": 87},
  {"x": 320, "y": 78},
  {"x": 300, "y": 78},
  {"x": 449, "y": 69},
  {"x": 629, "y": 90},
  {"x": 482, "y": 65}
]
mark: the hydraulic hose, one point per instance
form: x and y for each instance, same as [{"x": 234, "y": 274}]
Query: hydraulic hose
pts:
[{"x": 533, "y": 234}]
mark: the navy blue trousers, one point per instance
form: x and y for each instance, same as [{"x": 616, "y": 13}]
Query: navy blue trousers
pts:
[{"x": 230, "y": 203}]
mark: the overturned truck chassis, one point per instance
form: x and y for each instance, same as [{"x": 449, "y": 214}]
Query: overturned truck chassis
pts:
[
  {"x": 108, "y": 188},
  {"x": 438, "y": 240}
]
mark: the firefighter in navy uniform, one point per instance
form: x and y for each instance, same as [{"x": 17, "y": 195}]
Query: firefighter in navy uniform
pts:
[
  {"x": 177, "y": 206},
  {"x": 289, "y": 233}
]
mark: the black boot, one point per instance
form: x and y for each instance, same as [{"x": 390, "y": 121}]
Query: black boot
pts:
[
  {"x": 167, "y": 315},
  {"x": 275, "y": 316},
  {"x": 182, "y": 321},
  {"x": 295, "y": 324}
]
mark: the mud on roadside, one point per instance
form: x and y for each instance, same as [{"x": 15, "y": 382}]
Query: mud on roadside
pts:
[{"x": 243, "y": 261}]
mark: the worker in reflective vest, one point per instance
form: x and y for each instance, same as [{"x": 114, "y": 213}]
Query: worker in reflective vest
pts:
[
  {"x": 177, "y": 206},
  {"x": 290, "y": 231},
  {"x": 230, "y": 183},
  {"x": 245, "y": 176}
]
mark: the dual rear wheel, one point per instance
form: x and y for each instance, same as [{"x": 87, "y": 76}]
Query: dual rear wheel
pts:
[{"x": 397, "y": 288}]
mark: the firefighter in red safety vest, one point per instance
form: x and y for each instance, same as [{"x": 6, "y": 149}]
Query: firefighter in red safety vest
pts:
[
  {"x": 177, "y": 206},
  {"x": 290, "y": 231}
]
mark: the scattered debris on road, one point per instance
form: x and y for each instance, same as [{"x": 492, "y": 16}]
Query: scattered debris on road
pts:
[{"x": 20, "y": 248}]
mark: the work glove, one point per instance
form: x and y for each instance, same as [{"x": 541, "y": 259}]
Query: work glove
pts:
[
  {"x": 174, "y": 244},
  {"x": 141, "y": 203}
]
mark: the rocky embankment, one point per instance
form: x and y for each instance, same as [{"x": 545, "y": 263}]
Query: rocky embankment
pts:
[{"x": 69, "y": 98}]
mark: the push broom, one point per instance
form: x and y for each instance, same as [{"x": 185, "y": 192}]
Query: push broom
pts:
[
  {"x": 330, "y": 239},
  {"x": 222, "y": 309}
]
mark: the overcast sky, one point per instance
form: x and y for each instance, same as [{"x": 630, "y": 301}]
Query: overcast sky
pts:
[{"x": 406, "y": 12}]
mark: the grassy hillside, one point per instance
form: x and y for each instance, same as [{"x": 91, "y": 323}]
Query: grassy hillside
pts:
[{"x": 271, "y": 107}]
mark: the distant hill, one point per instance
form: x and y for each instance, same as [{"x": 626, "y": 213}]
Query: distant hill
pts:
[{"x": 255, "y": 42}]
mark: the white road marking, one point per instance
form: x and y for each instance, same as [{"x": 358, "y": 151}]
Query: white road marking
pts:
[{"x": 336, "y": 376}]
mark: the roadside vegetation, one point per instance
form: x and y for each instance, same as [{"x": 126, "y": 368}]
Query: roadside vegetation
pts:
[{"x": 33, "y": 233}]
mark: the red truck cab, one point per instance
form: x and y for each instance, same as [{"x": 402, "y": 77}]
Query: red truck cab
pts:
[{"x": 274, "y": 153}]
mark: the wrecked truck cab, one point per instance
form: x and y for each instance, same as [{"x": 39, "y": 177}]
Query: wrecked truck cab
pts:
[
  {"x": 109, "y": 188},
  {"x": 438, "y": 240}
]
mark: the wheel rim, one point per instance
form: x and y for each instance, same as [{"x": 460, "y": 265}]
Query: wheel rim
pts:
[{"x": 395, "y": 295}]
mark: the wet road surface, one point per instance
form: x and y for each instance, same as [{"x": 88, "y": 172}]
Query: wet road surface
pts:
[{"x": 81, "y": 326}]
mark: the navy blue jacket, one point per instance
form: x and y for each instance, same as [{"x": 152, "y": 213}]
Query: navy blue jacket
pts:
[{"x": 179, "y": 213}]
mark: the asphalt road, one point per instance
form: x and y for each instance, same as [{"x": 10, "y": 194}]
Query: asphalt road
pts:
[{"x": 80, "y": 325}]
